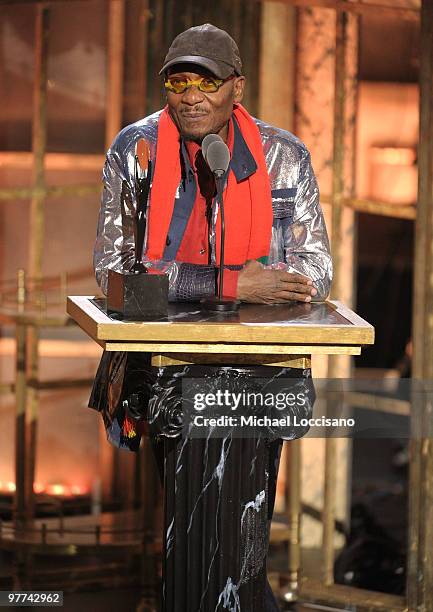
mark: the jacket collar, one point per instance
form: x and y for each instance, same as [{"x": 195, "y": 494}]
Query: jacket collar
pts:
[{"x": 242, "y": 162}]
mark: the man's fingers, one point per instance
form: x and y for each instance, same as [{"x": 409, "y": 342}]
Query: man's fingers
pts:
[
  {"x": 260, "y": 285},
  {"x": 285, "y": 285},
  {"x": 298, "y": 288},
  {"x": 290, "y": 296},
  {"x": 294, "y": 277}
]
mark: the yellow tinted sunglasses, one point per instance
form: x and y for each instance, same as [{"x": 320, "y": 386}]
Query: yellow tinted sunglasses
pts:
[{"x": 205, "y": 84}]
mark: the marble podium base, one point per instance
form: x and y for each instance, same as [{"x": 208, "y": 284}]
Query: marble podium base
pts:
[
  {"x": 219, "y": 492},
  {"x": 219, "y": 496}
]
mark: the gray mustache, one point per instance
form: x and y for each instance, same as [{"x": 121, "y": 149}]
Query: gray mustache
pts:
[{"x": 196, "y": 111}]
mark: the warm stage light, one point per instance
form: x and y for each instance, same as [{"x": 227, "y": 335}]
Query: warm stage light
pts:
[
  {"x": 64, "y": 490},
  {"x": 7, "y": 487},
  {"x": 38, "y": 487},
  {"x": 56, "y": 489}
]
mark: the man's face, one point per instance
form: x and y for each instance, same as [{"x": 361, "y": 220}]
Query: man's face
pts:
[{"x": 196, "y": 113}]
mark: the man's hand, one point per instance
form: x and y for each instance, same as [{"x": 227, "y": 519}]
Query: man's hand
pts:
[{"x": 260, "y": 286}]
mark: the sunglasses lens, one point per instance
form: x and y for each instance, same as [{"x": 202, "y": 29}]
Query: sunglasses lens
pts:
[
  {"x": 208, "y": 85},
  {"x": 176, "y": 85},
  {"x": 179, "y": 85}
]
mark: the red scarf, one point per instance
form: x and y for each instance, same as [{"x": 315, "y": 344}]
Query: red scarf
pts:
[{"x": 248, "y": 204}]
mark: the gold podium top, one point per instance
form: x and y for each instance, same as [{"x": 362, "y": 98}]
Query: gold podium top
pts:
[{"x": 319, "y": 327}]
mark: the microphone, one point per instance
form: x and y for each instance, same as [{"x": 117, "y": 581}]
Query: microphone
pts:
[
  {"x": 207, "y": 141},
  {"x": 217, "y": 156}
]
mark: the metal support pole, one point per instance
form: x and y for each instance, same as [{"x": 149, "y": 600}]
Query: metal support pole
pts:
[
  {"x": 116, "y": 47},
  {"x": 337, "y": 244},
  {"x": 20, "y": 425},
  {"x": 36, "y": 240},
  {"x": 108, "y": 457},
  {"x": 338, "y": 155},
  {"x": 157, "y": 48},
  {"x": 20, "y": 399},
  {"x": 293, "y": 471},
  {"x": 420, "y": 545},
  {"x": 277, "y": 56},
  {"x": 142, "y": 57},
  {"x": 32, "y": 405},
  {"x": 39, "y": 137}
]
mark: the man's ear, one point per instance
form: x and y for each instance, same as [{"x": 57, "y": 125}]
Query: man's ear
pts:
[{"x": 238, "y": 87}]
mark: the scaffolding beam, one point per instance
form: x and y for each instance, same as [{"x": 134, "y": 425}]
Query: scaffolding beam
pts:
[
  {"x": 108, "y": 455},
  {"x": 358, "y": 8},
  {"x": 420, "y": 545},
  {"x": 39, "y": 141},
  {"x": 116, "y": 47}
]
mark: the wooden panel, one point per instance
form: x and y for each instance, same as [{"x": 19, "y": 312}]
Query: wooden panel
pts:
[
  {"x": 231, "y": 349},
  {"x": 290, "y": 361}
]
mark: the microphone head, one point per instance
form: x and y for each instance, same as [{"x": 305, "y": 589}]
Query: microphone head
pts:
[
  {"x": 207, "y": 140},
  {"x": 218, "y": 157}
]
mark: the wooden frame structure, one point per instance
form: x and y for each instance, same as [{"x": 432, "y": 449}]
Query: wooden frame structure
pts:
[
  {"x": 420, "y": 544},
  {"x": 419, "y": 592},
  {"x": 27, "y": 384}
]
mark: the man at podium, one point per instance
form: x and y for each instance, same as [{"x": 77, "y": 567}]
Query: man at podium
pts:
[{"x": 219, "y": 493}]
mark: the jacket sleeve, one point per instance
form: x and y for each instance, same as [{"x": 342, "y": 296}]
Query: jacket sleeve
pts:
[
  {"x": 114, "y": 246},
  {"x": 305, "y": 242}
]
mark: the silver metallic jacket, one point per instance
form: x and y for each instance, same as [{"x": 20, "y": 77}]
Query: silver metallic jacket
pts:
[{"x": 299, "y": 240}]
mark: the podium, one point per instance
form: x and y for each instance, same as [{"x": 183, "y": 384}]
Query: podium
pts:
[
  {"x": 258, "y": 333},
  {"x": 218, "y": 493}
]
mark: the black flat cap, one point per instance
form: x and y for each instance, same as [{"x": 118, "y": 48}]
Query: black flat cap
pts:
[{"x": 206, "y": 46}]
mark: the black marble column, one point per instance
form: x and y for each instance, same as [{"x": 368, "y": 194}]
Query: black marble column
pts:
[{"x": 219, "y": 497}]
